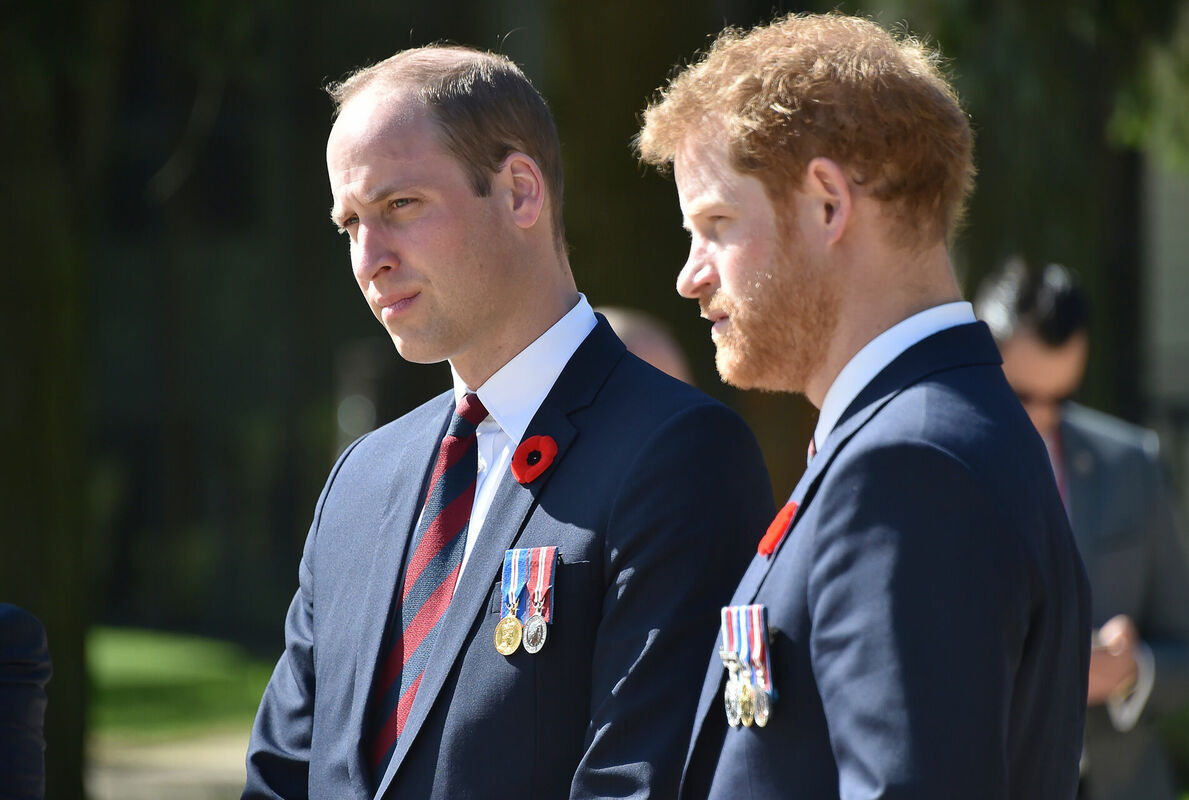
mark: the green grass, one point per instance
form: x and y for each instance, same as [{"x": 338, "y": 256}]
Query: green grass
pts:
[{"x": 149, "y": 684}]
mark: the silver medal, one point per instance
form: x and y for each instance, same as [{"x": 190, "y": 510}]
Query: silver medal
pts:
[
  {"x": 731, "y": 694},
  {"x": 730, "y": 699},
  {"x": 535, "y": 632}
]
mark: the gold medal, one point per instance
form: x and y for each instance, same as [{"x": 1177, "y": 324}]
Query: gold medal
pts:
[
  {"x": 507, "y": 634},
  {"x": 746, "y": 702}
]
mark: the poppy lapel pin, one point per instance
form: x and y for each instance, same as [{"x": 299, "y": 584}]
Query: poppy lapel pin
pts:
[
  {"x": 777, "y": 530},
  {"x": 533, "y": 457}
]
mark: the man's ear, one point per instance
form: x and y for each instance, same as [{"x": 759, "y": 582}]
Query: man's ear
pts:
[
  {"x": 828, "y": 196},
  {"x": 526, "y": 189}
]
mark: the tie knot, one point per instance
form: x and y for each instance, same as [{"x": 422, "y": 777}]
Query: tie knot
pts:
[{"x": 471, "y": 408}]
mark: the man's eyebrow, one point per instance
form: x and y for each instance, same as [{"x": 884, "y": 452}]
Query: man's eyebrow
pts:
[{"x": 372, "y": 197}]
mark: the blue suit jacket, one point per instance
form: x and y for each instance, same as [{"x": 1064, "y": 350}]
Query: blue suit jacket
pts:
[
  {"x": 24, "y": 672},
  {"x": 655, "y": 501},
  {"x": 931, "y": 613}
]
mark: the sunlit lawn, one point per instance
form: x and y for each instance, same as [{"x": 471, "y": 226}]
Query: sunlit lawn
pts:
[{"x": 156, "y": 685}]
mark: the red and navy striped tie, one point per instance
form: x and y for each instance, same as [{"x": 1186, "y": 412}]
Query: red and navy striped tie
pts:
[{"x": 430, "y": 575}]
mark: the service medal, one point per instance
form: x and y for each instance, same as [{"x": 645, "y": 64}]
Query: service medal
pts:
[
  {"x": 539, "y": 582},
  {"x": 730, "y": 695},
  {"x": 743, "y": 650},
  {"x": 746, "y": 702},
  {"x": 507, "y": 634},
  {"x": 762, "y": 707},
  {"x": 535, "y": 632},
  {"x": 509, "y": 629},
  {"x": 758, "y": 636}
]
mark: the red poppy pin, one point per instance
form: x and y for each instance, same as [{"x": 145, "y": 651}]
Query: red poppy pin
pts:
[
  {"x": 533, "y": 457},
  {"x": 777, "y": 529}
]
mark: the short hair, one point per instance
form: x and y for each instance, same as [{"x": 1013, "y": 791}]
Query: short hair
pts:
[
  {"x": 1017, "y": 298},
  {"x": 484, "y": 108},
  {"x": 810, "y": 85}
]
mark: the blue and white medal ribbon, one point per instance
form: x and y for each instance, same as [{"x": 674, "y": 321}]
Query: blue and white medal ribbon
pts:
[
  {"x": 743, "y": 642},
  {"x": 510, "y": 627}
]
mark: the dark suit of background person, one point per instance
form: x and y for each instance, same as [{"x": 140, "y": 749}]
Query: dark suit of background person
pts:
[
  {"x": 928, "y": 613},
  {"x": 654, "y": 498},
  {"x": 1135, "y": 557},
  {"x": 1121, "y": 516},
  {"x": 24, "y": 673}
]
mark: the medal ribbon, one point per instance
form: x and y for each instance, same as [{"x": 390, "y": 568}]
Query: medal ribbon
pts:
[
  {"x": 541, "y": 579},
  {"x": 728, "y": 629},
  {"x": 744, "y": 640},
  {"x": 759, "y": 645},
  {"x": 515, "y": 572}
]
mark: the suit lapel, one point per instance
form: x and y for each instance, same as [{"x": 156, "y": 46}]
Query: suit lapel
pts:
[
  {"x": 963, "y": 345},
  {"x": 575, "y": 389},
  {"x": 395, "y": 529}
]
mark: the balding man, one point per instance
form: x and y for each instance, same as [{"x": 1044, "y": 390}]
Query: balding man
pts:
[{"x": 509, "y": 591}]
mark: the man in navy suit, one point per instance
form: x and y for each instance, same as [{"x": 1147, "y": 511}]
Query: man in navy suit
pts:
[
  {"x": 564, "y": 495},
  {"x": 915, "y": 623},
  {"x": 24, "y": 672}
]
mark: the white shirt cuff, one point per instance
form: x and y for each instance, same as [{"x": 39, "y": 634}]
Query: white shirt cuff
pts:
[{"x": 1125, "y": 709}]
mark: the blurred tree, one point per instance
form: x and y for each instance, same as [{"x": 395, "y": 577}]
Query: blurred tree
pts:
[
  {"x": 1042, "y": 82},
  {"x": 57, "y": 72},
  {"x": 1152, "y": 112}
]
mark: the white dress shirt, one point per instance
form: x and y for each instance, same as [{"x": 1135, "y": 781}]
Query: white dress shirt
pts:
[
  {"x": 512, "y": 396},
  {"x": 878, "y": 353}
]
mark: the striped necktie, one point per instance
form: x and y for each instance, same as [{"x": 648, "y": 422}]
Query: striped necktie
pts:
[{"x": 430, "y": 575}]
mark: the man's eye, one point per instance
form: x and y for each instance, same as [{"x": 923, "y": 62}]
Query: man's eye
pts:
[
  {"x": 347, "y": 224},
  {"x": 401, "y": 202}
]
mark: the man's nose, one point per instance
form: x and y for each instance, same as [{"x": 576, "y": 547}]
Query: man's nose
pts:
[
  {"x": 698, "y": 275},
  {"x": 372, "y": 254}
]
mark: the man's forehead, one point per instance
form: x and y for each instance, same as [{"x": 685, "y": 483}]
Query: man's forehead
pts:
[
  {"x": 704, "y": 174},
  {"x": 376, "y": 113}
]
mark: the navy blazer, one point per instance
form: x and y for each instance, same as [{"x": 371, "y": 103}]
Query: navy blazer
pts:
[
  {"x": 24, "y": 672},
  {"x": 655, "y": 501},
  {"x": 929, "y": 610}
]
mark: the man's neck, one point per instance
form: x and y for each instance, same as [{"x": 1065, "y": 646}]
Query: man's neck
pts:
[
  {"x": 541, "y": 311},
  {"x": 878, "y": 294}
]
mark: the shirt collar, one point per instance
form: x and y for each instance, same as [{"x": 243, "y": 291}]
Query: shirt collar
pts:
[
  {"x": 514, "y": 393},
  {"x": 878, "y": 353}
]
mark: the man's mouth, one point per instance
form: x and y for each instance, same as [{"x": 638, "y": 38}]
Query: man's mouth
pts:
[{"x": 393, "y": 305}]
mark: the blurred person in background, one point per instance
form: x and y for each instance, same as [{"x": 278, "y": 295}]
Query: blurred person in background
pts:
[
  {"x": 916, "y": 621},
  {"x": 519, "y": 608},
  {"x": 648, "y": 338},
  {"x": 1110, "y": 478},
  {"x": 24, "y": 672}
]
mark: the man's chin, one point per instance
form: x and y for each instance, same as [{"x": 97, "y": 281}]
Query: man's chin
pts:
[
  {"x": 735, "y": 370},
  {"x": 416, "y": 353},
  {"x": 744, "y": 371}
]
